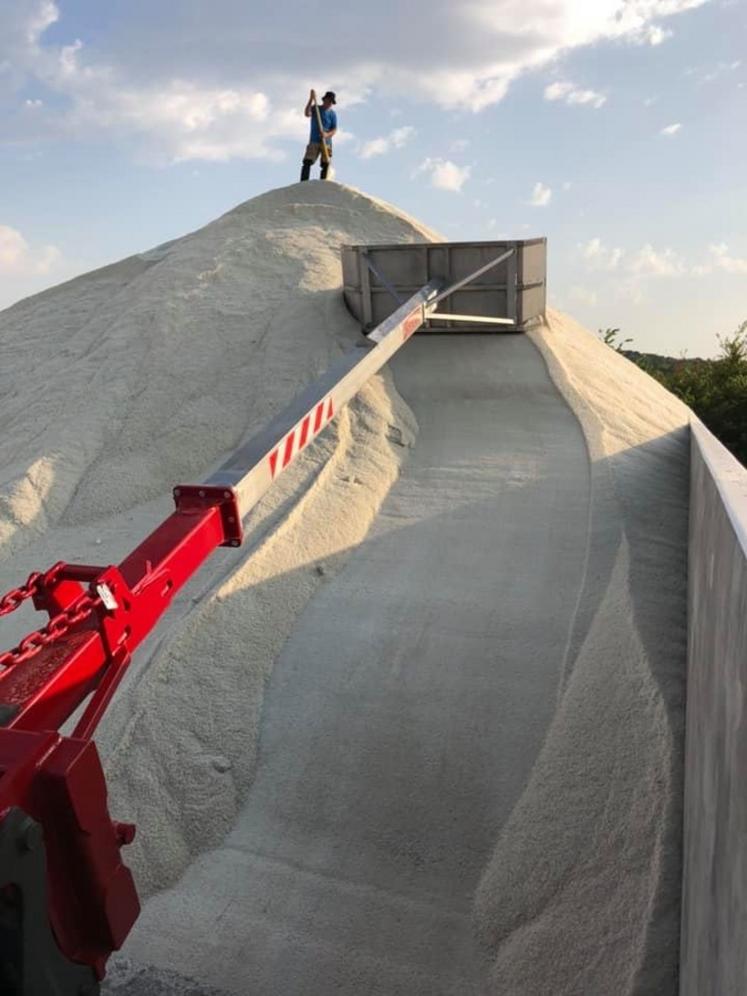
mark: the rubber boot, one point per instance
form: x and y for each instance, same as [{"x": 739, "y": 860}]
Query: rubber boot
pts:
[
  {"x": 306, "y": 169},
  {"x": 324, "y": 171}
]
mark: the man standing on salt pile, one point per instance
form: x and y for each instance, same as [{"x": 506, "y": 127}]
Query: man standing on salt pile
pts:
[{"x": 329, "y": 127}]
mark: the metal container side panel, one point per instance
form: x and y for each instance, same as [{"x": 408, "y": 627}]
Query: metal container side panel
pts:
[
  {"x": 351, "y": 276},
  {"x": 491, "y": 303},
  {"x": 366, "y": 302},
  {"x": 465, "y": 328},
  {"x": 406, "y": 268},
  {"x": 530, "y": 304},
  {"x": 714, "y": 885},
  {"x": 438, "y": 262},
  {"x": 410, "y": 265},
  {"x": 498, "y": 246},
  {"x": 512, "y": 304},
  {"x": 354, "y": 303},
  {"x": 464, "y": 260},
  {"x": 533, "y": 263},
  {"x": 383, "y": 304}
]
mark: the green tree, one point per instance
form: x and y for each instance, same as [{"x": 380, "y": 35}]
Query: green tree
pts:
[{"x": 716, "y": 390}]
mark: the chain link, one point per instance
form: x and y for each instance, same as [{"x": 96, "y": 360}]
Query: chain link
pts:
[
  {"x": 17, "y": 596},
  {"x": 55, "y": 629}
]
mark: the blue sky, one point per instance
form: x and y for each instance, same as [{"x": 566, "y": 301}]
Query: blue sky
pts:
[{"x": 617, "y": 128}]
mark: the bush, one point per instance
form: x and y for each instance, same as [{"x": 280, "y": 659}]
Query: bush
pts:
[{"x": 716, "y": 390}]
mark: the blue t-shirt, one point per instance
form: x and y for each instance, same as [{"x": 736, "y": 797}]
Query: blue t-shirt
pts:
[{"x": 329, "y": 123}]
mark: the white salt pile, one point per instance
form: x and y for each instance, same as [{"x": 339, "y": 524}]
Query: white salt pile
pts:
[
  {"x": 126, "y": 381},
  {"x": 582, "y": 893},
  {"x": 120, "y": 384}
]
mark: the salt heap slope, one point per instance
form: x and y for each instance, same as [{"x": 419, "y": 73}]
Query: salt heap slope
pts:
[
  {"x": 582, "y": 894},
  {"x": 144, "y": 372},
  {"x": 402, "y": 756},
  {"x": 125, "y": 381}
]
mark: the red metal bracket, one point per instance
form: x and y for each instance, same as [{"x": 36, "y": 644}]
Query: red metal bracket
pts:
[
  {"x": 198, "y": 497},
  {"x": 82, "y": 654},
  {"x": 59, "y": 782}
]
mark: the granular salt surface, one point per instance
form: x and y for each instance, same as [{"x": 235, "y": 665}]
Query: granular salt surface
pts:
[
  {"x": 582, "y": 893},
  {"x": 128, "y": 380}
]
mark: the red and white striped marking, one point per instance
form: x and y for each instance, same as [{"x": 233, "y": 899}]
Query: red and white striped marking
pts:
[
  {"x": 301, "y": 434},
  {"x": 412, "y": 323}
]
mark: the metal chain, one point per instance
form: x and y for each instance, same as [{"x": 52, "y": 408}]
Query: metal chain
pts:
[
  {"x": 55, "y": 629},
  {"x": 17, "y": 596}
]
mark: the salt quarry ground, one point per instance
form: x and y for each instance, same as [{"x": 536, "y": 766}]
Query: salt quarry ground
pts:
[{"x": 423, "y": 733}]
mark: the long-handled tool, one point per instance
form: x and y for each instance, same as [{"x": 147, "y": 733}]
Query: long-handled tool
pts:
[{"x": 326, "y": 158}]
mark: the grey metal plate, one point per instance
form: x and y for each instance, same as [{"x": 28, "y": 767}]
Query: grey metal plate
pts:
[{"x": 497, "y": 293}]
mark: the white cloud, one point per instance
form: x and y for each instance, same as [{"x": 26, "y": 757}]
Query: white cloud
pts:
[
  {"x": 572, "y": 94},
  {"x": 626, "y": 275},
  {"x": 707, "y": 74},
  {"x": 444, "y": 174},
  {"x": 671, "y": 129},
  {"x": 655, "y": 34},
  {"x": 541, "y": 195},
  {"x": 380, "y": 146},
  {"x": 649, "y": 262},
  {"x": 17, "y": 258},
  {"x": 228, "y": 86},
  {"x": 630, "y": 275},
  {"x": 642, "y": 263},
  {"x": 600, "y": 257},
  {"x": 27, "y": 269},
  {"x": 42, "y": 15},
  {"x": 191, "y": 121},
  {"x": 721, "y": 260},
  {"x": 343, "y": 136}
]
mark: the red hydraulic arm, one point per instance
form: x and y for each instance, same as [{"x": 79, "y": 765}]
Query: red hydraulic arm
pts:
[{"x": 53, "y": 785}]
